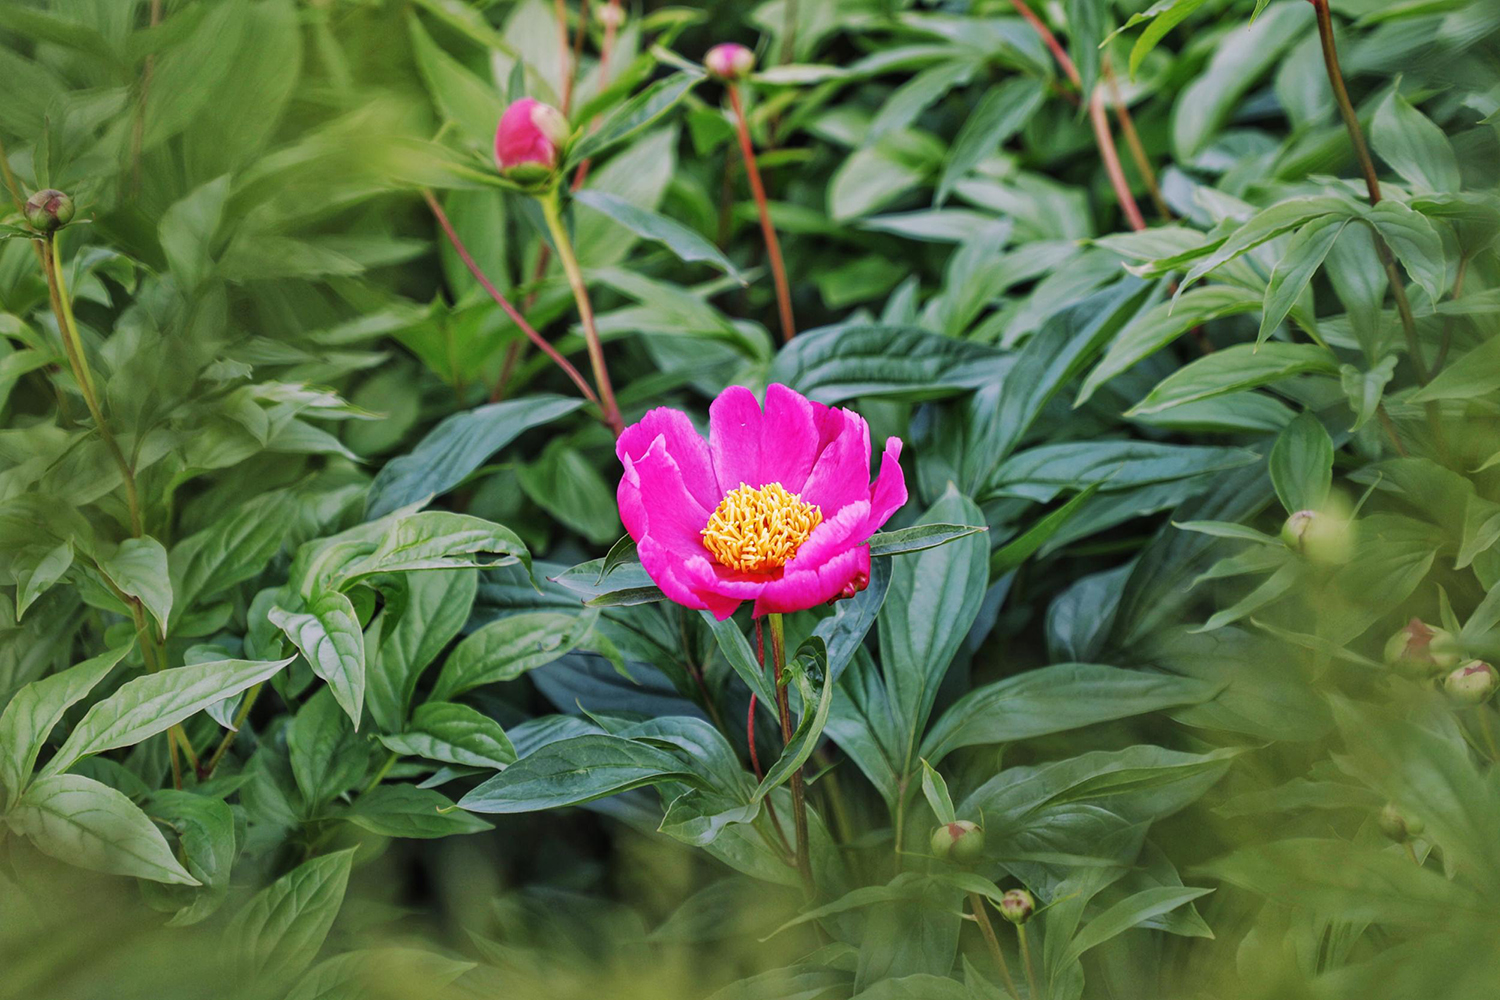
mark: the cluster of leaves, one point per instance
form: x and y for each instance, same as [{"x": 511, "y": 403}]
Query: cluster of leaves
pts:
[{"x": 307, "y": 558}]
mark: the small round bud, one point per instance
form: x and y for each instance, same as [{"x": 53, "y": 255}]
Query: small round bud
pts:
[
  {"x": 611, "y": 15},
  {"x": 961, "y": 841},
  {"x": 1397, "y": 826},
  {"x": 1420, "y": 650},
  {"x": 1320, "y": 537},
  {"x": 48, "y": 211},
  {"x": 1017, "y": 906},
  {"x": 1472, "y": 684},
  {"x": 729, "y": 61},
  {"x": 528, "y": 138}
]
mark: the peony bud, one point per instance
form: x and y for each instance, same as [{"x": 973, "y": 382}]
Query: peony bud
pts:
[
  {"x": 1017, "y": 906},
  {"x": 729, "y": 61},
  {"x": 960, "y": 841},
  {"x": 1422, "y": 650},
  {"x": 1472, "y": 683},
  {"x": 611, "y": 15},
  {"x": 1397, "y": 826},
  {"x": 48, "y": 211},
  {"x": 1321, "y": 537},
  {"x": 528, "y": 138}
]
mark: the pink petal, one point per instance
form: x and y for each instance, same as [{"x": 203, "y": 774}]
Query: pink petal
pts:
[
  {"x": 844, "y": 531},
  {"x": 789, "y": 438},
  {"x": 889, "y": 491},
  {"x": 841, "y": 474},
  {"x": 734, "y": 420},
  {"x": 683, "y": 443},
  {"x": 797, "y": 591},
  {"x": 665, "y": 570},
  {"x": 655, "y": 502}
]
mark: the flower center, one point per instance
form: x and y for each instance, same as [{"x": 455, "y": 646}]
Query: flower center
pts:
[{"x": 758, "y": 530}]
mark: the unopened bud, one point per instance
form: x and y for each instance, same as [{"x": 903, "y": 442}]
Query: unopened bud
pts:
[
  {"x": 611, "y": 15},
  {"x": 961, "y": 841},
  {"x": 1421, "y": 650},
  {"x": 1472, "y": 683},
  {"x": 1017, "y": 906},
  {"x": 528, "y": 139},
  {"x": 729, "y": 61},
  {"x": 1397, "y": 826},
  {"x": 48, "y": 211},
  {"x": 1320, "y": 537}
]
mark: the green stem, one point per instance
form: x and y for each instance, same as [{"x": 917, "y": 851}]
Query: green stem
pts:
[
  {"x": 1026, "y": 958},
  {"x": 982, "y": 917},
  {"x": 552, "y": 211},
  {"x": 390, "y": 762},
  {"x": 239, "y": 723},
  {"x": 73, "y": 346},
  {"x": 799, "y": 790}
]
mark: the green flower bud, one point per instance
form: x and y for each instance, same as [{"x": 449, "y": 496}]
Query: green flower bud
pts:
[
  {"x": 1472, "y": 684},
  {"x": 1017, "y": 906},
  {"x": 1420, "y": 650},
  {"x": 961, "y": 842},
  {"x": 48, "y": 211},
  {"x": 1398, "y": 826},
  {"x": 1323, "y": 538}
]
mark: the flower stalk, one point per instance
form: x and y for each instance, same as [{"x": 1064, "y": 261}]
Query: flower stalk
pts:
[
  {"x": 767, "y": 229},
  {"x": 987, "y": 930},
  {"x": 799, "y": 790},
  {"x": 552, "y": 211}
]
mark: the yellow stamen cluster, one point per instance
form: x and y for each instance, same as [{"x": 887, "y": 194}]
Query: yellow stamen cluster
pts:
[{"x": 758, "y": 530}]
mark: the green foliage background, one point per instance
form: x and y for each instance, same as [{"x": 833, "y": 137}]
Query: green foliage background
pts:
[{"x": 356, "y": 553}]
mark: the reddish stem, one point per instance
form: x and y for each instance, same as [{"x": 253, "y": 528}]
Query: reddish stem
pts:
[
  {"x": 504, "y": 303},
  {"x": 1136, "y": 147},
  {"x": 758, "y": 190},
  {"x": 1058, "y": 52}
]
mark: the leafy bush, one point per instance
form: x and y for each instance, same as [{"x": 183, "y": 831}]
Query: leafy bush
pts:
[{"x": 328, "y": 672}]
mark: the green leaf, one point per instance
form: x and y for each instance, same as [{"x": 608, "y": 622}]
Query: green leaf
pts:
[
  {"x": 1165, "y": 16},
  {"x": 688, "y": 244},
  {"x": 1415, "y": 243},
  {"x": 1474, "y": 374},
  {"x": 1413, "y": 146},
  {"x": 437, "y": 608},
  {"x": 463, "y": 98},
  {"x": 508, "y": 647},
  {"x": 1129, "y": 912},
  {"x": 573, "y": 771},
  {"x": 454, "y": 734},
  {"x": 1154, "y": 328},
  {"x": 568, "y": 486},
  {"x": 1018, "y": 550},
  {"x": 635, "y": 115},
  {"x": 139, "y": 569},
  {"x": 809, "y": 729},
  {"x": 235, "y": 548},
  {"x": 838, "y": 363},
  {"x": 148, "y": 705},
  {"x": 328, "y": 636},
  {"x": 327, "y": 757},
  {"x": 1002, "y": 113},
  {"x": 936, "y": 791},
  {"x": 1053, "y": 700},
  {"x": 1305, "y": 253},
  {"x": 1232, "y": 369},
  {"x": 90, "y": 825},
  {"x": 35, "y": 709},
  {"x": 457, "y": 447},
  {"x": 1302, "y": 464},
  {"x": 438, "y": 540},
  {"x": 411, "y": 812},
  {"x": 34, "y": 577},
  {"x": 279, "y": 932},
  {"x": 187, "y": 231},
  {"x": 1267, "y": 224},
  {"x": 918, "y": 537}
]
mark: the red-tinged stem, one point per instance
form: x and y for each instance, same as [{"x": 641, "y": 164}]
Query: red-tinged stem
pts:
[
  {"x": 987, "y": 929},
  {"x": 1134, "y": 144},
  {"x": 1112, "y": 163},
  {"x": 758, "y": 190},
  {"x": 1097, "y": 116},
  {"x": 760, "y": 655},
  {"x": 504, "y": 303}
]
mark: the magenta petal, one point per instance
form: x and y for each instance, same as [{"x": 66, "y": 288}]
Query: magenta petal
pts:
[
  {"x": 844, "y": 531},
  {"x": 708, "y": 576},
  {"x": 664, "y": 568},
  {"x": 841, "y": 474},
  {"x": 789, "y": 438},
  {"x": 734, "y": 431},
  {"x": 683, "y": 443},
  {"x": 889, "y": 490},
  {"x": 655, "y": 502},
  {"x": 797, "y": 591}
]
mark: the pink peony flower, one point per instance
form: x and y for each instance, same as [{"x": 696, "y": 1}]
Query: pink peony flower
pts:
[
  {"x": 529, "y": 133},
  {"x": 775, "y": 507},
  {"x": 729, "y": 61}
]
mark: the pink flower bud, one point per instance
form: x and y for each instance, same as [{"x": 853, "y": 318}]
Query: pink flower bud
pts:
[
  {"x": 1472, "y": 683},
  {"x": 528, "y": 137},
  {"x": 729, "y": 61},
  {"x": 1017, "y": 906},
  {"x": 611, "y": 15},
  {"x": 1421, "y": 650}
]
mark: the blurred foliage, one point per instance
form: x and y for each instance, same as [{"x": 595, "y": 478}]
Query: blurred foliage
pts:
[{"x": 322, "y": 677}]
